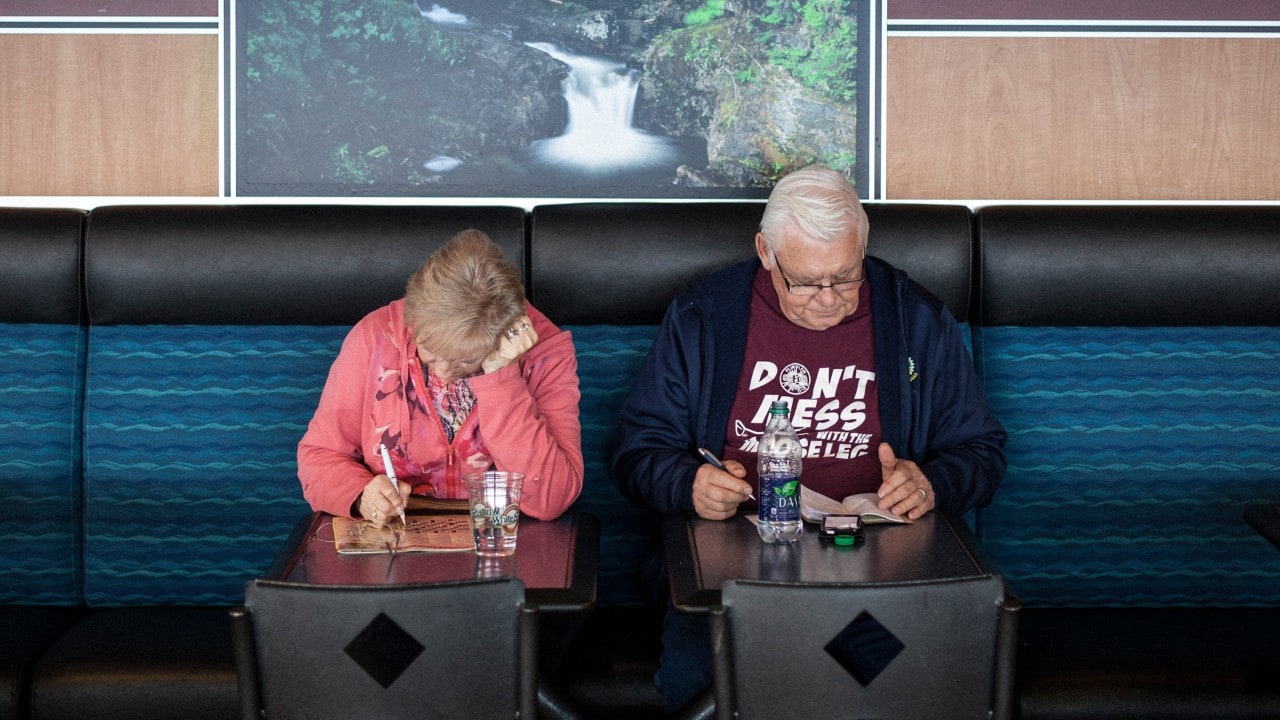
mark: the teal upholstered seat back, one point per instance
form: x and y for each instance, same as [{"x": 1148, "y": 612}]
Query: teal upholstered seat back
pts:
[
  {"x": 1132, "y": 453},
  {"x": 41, "y": 379},
  {"x": 608, "y": 358},
  {"x": 609, "y": 270},
  {"x": 1133, "y": 354},
  {"x": 190, "y": 474},
  {"x": 212, "y": 330},
  {"x": 40, "y": 374}
]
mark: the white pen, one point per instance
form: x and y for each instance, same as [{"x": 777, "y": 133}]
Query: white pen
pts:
[
  {"x": 391, "y": 473},
  {"x": 711, "y": 458}
]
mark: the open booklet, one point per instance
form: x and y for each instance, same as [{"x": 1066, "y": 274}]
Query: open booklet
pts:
[
  {"x": 424, "y": 504},
  {"x": 421, "y": 533},
  {"x": 814, "y": 506}
]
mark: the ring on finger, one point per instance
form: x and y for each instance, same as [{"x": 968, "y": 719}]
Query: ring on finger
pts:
[{"x": 924, "y": 495}]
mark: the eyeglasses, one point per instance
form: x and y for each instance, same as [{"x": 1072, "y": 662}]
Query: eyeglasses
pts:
[{"x": 840, "y": 286}]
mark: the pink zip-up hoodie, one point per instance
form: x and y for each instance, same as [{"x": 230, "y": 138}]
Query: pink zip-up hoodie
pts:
[{"x": 525, "y": 420}]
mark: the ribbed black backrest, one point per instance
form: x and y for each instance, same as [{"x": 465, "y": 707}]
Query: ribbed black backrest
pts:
[
  {"x": 269, "y": 264},
  {"x": 1129, "y": 266},
  {"x": 621, "y": 263},
  {"x": 40, "y": 258},
  {"x": 42, "y": 356},
  {"x": 932, "y": 243}
]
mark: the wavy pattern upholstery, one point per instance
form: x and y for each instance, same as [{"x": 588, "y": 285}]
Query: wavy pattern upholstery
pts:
[
  {"x": 608, "y": 271},
  {"x": 212, "y": 332},
  {"x": 40, "y": 366},
  {"x": 608, "y": 357},
  {"x": 190, "y": 467},
  {"x": 1131, "y": 454},
  {"x": 41, "y": 379}
]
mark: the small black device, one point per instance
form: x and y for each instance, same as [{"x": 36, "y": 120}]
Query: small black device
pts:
[{"x": 842, "y": 529}]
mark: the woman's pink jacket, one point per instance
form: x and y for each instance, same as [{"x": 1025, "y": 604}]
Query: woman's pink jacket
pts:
[{"x": 525, "y": 420}]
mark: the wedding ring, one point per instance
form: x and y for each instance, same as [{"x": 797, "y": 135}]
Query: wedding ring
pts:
[
  {"x": 923, "y": 495},
  {"x": 374, "y": 514}
]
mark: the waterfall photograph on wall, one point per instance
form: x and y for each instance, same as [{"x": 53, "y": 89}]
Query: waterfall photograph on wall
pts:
[{"x": 547, "y": 98}]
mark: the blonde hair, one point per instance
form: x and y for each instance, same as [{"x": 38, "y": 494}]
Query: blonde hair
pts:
[
  {"x": 463, "y": 296},
  {"x": 817, "y": 201}
]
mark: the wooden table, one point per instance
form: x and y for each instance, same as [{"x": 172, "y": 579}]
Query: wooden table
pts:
[
  {"x": 703, "y": 554},
  {"x": 556, "y": 561}
]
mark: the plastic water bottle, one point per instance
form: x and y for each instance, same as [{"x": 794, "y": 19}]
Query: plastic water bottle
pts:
[{"x": 779, "y": 463}]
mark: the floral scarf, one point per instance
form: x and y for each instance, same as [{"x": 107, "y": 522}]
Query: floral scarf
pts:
[
  {"x": 453, "y": 402},
  {"x": 406, "y": 397}
]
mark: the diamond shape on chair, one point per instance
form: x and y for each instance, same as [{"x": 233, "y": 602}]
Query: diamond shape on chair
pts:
[
  {"x": 864, "y": 648},
  {"x": 384, "y": 650}
]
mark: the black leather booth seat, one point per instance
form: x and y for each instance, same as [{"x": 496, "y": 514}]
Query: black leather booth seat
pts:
[
  {"x": 619, "y": 265},
  {"x": 1129, "y": 266},
  {"x": 140, "y": 662},
  {"x": 39, "y": 284},
  {"x": 266, "y": 268},
  {"x": 28, "y": 631},
  {"x": 1182, "y": 650},
  {"x": 82, "y": 643},
  {"x": 1149, "y": 663},
  {"x": 268, "y": 264}
]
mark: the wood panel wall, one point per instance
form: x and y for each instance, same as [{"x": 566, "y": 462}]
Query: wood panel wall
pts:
[
  {"x": 109, "y": 114},
  {"x": 967, "y": 117},
  {"x": 109, "y": 8},
  {"x": 1083, "y": 118}
]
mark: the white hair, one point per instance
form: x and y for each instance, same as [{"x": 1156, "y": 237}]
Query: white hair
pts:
[{"x": 818, "y": 202}]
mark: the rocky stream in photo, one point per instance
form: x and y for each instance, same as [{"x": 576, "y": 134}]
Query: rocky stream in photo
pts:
[{"x": 542, "y": 97}]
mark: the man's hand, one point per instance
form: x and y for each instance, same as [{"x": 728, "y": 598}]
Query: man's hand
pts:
[
  {"x": 904, "y": 490},
  {"x": 716, "y": 493}
]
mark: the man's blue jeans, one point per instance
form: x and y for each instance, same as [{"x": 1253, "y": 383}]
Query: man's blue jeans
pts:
[{"x": 684, "y": 669}]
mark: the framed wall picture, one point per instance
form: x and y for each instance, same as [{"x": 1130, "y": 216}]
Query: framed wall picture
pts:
[{"x": 548, "y": 98}]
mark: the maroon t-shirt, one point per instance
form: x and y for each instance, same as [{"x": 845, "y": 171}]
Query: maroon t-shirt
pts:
[{"x": 828, "y": 378}]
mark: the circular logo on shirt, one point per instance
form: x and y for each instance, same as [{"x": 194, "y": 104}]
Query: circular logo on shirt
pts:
[{"x": 795, "y": 378}]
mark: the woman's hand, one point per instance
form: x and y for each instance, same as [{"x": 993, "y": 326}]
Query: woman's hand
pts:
[
  {"x": 514, "y": 342},
  {"x": 380, "y": 500}
]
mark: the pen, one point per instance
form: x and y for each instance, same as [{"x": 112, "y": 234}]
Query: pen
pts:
[
  {"x": 711, "y": 458},
  {"x": 391, "y": 473}
]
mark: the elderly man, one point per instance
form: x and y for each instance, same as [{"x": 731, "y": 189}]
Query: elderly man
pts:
[{"x": 883, "y": 393}]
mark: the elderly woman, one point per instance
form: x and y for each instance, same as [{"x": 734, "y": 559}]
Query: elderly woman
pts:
[{"x": 460, "y": 375}]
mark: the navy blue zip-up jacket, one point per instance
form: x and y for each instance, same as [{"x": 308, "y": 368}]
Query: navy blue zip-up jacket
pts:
[{"x": 932, "y": 406}]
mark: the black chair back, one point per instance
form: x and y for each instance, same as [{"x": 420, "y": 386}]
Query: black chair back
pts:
[
  {"x": 902, "y": 650},
  {"x": 443, "y": 650}
]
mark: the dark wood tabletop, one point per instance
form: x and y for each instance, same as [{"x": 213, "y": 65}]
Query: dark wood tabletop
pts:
[
  {"x": 703, "y": 554},
  {"x": 556, "y": 560}
]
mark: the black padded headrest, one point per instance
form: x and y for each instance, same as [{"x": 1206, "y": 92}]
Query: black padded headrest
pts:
[
  {"x": 932, "y": 243},
  {"x": 40, "y": 265},
  {"x": 1129, "y": 266},
  {"x": 621, "y": 263},
  {"x": 269, "y": 264}
]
